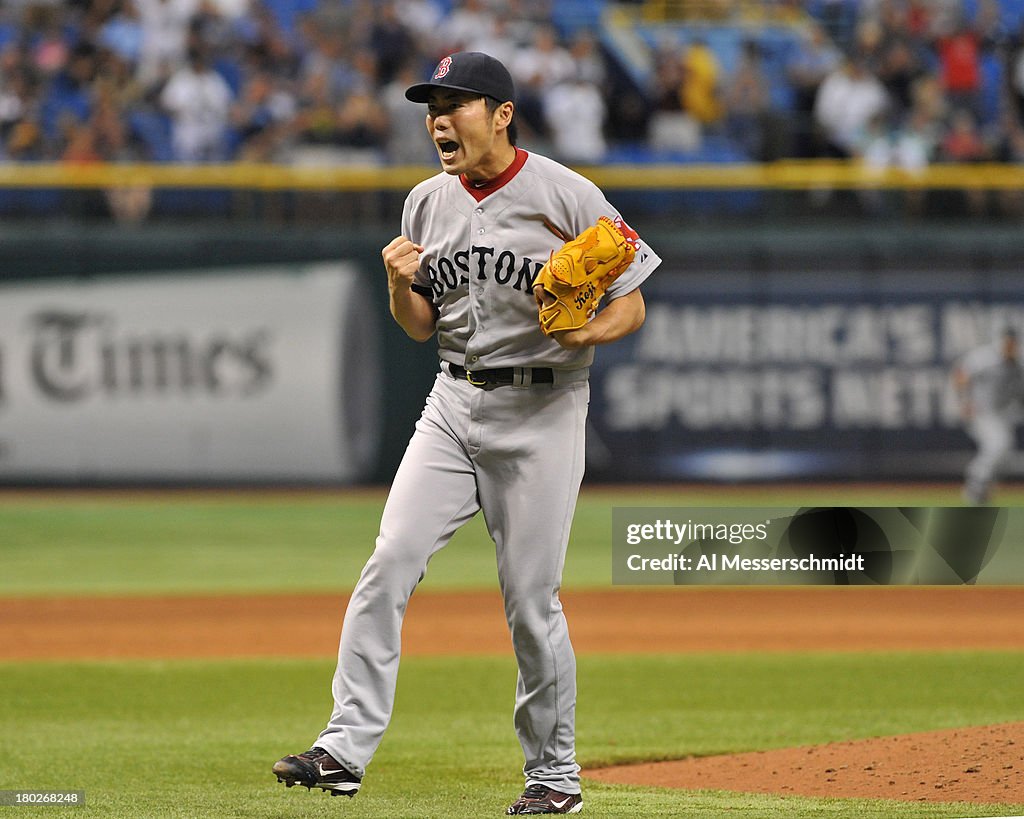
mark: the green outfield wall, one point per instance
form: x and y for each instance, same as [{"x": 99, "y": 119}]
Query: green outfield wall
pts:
[{"x": 861, "y": 267}]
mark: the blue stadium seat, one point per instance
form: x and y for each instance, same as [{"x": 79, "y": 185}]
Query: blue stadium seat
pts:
[
  {"x": 1013, "y": 14},
  {"x": 63, "y": 100},
  {"x": 571, "y": 15},
  {"x": 286, "y": 11},
  {"x": 153, "y": 130},
  {"x": 8, "y": 33},
  {"x": 992, "y": 79},
  {"x": 231, "y": 71}
]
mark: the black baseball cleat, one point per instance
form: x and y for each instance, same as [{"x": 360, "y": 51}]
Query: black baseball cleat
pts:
[
  {"x": 540, "y": 799},
  {"x": 317, "y": 769}
]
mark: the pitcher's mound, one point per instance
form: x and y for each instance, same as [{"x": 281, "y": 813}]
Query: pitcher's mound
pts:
[{"x": 977, "y": 764}]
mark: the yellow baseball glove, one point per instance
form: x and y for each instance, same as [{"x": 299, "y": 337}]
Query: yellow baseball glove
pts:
[{"x": 578, "y": 274}]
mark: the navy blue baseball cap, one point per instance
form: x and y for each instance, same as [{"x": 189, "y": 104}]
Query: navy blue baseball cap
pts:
[{"x": 471, "y": 71}]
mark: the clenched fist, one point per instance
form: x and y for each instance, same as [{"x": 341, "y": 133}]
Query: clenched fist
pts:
[{"x": 401, "y": 260}]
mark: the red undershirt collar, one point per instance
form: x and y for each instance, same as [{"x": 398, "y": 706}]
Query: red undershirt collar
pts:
[{"x": 479, "y": 192}]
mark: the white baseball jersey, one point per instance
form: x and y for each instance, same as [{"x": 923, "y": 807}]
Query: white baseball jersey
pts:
[
  {"x": 996, "y": 385},
  {"x": 996, "y": 389},
  {"x": 484, "y": 246}
]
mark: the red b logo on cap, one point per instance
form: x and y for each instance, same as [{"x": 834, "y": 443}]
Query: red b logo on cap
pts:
[{"x": 442, "y": 68}]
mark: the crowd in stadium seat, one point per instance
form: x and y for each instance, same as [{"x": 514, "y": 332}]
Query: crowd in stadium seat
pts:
[
  {"x": 860, "y": 77},
  {"x": 897, "y": 82}
]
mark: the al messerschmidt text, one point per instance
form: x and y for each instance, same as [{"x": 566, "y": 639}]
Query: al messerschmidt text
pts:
[{"x": 726, "y": 562}]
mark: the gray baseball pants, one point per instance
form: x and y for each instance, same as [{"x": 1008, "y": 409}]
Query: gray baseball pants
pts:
[
  {"x": 994, "y": 436},
  {"x": 517, "y": 454}
]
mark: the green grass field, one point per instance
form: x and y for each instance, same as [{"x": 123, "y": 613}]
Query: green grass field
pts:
[
  {"x": 191, "y": 738},
  {"x": 196, "y": 739},
  {"x": 229, "y": 542}
]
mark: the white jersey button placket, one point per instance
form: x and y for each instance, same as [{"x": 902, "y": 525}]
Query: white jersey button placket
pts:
[{"x": 476, "y": 322}]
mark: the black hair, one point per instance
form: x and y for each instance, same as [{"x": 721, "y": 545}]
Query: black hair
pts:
[{"x": 492, "y": 106}]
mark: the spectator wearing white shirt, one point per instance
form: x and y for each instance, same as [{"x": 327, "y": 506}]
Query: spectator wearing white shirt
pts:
[
  {"x": 847, "y": 101},
  {"x": 406, "y": 142},
  {"x": 575, "y": 113},
  {"x": 587, "y": 57},
  {"x": 164, "y": 36},
  {"x": 469, "y": 20},
  {"x": 814, "y": 58},
  {"x": 199, "y": 102},
  {"x": 499, "y": 41},
  {"x": 536, "y": 69},
  {"x": 229, "y": 9},
  {"x": 423, "y": 17}
]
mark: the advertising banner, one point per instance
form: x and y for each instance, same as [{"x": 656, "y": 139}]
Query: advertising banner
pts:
[
  {"x": 741, "y": 376},
  {"x": 240, "y": 374}
]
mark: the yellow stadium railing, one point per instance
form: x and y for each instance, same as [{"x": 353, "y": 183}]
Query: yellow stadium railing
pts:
[
  {"x": 783, "y": 175},
  {"x": 714, "y": 11}
]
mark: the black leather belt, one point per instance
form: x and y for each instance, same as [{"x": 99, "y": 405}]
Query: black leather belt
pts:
[{"x": 501, "y": 377}]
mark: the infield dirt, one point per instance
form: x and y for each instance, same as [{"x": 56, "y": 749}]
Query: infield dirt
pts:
[
  {"x": 611, "y": 621},
  {"x": 976, "y": 764}
]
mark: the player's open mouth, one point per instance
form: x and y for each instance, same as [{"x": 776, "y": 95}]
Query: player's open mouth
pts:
[{"x": 447, "y": 149}]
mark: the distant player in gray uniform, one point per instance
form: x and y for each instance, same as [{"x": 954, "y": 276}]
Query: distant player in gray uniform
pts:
[
  {"x": 990, "y": 383},
  {"x": 502, "y": 430}
]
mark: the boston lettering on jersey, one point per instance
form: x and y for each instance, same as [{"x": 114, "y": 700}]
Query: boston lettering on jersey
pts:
[{"x": 483, "y": 264}]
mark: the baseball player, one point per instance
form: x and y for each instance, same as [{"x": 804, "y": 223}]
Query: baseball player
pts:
[
  {"x": 502, "y": 431},
  {"x": 990, "y": 384}
]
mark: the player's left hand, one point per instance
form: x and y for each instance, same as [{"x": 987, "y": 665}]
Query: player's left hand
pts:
[{"x": 569, "y": 339}]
